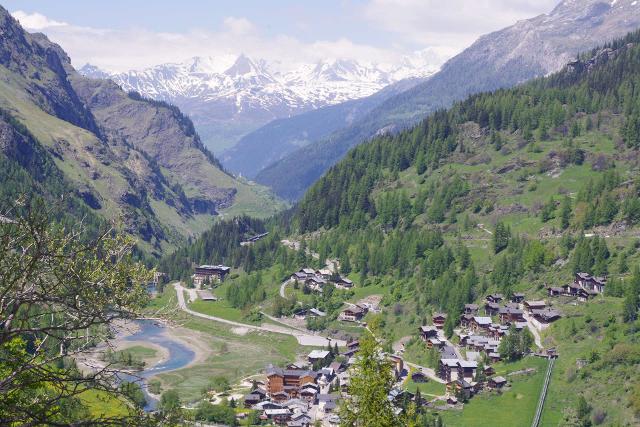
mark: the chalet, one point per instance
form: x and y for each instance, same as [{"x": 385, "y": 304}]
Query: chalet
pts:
[
  {"x": 554, "y": 291},
  {"x": 352, "y": 314},
  {"x": 497, "y": 382},
  {"x": 465, "y": 320},
  {"x": 534, "y": 305},
  {"x": 315, "y": 283},
  {"x": 448, "y": 369},
  {"x": 495, "y": 298},
  {"x": 480, "y": 323},
  {"x": 571, "y": 289},
  {"x": 463, "y": 388},
  {"x": 471, "y": 309},
  {"x": 251, "y": 399},
  {"x": 491, "y": 308},
  {"x": 467, "y": 369},
  {"x": 325, "y": 273},
  {"x": 509, "y": 315},
  {"x": 517, "y": 297},
  {"x": 288, "y": 381},
  {"x": 344, "y": 283},
  {"x": 418, "y": 377},
  {"x": 488, "y": 370},
  {"x": 318, "y": 356},
  {"x": 589, "y": 282},
  {"x": 452, "y": 400},
  {"x": 546, "y": 315},
  {"x": 586, "y": 294},
  {"x": 209, "y": 273},
  {"x": 299, "y": 419},
  {"x": 439, "y": 319},
  {"x": 427, "y": 332},
  {"x": 298, "y": 277},
  {"x": 278, "y": 416},
  {"x": 309, "y": 393},
  {"x": 303, "y": 274}
]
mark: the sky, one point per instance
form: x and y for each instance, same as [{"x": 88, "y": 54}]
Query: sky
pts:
[{"x": 119, "y": 35}]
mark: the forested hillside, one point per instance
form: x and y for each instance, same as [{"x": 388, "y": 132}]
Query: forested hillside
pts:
[{"x": 510, "y": 191}]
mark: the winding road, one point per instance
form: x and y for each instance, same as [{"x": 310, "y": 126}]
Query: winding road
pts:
[{"x": 303, "y": 339}]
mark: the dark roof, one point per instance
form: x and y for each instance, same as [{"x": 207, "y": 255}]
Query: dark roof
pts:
[{"x": 273, "y": 370}]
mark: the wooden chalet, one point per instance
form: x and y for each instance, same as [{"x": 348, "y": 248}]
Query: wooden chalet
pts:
[
  {"x": 546, "y": 315},
  {"x": 465, "y": 320},
  {"x": 495, "y": 298},
  {"x": 589, "y": 282},
  {"x": 534, "y": 305},
  {"x": 418, "y": 377},
  {"x": 448, "y": 369},
  {"x": 491, "y": 308},
  {"x": 517, "y": 297},
  {"x": 497, "y": 382},
  {"x": 344, "y": 283},
  {"x": 509, "y": 315},
  {"x": 427, "y": 332},
  {"x": 471, "y": 309},
  {"x": 439, "y": 319},
  {"x": 287, "y": 381},
  {"x": 353, "y": 314},
  {"x": 480, "y": 323}
]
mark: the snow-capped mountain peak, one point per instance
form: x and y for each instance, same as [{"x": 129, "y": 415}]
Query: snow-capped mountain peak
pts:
[{"x": 242, "y": 92}]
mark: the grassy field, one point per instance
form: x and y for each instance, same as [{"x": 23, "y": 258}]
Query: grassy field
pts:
[
  {"x": 137, "y": 352},
  {"x": 512, "y": 408}
]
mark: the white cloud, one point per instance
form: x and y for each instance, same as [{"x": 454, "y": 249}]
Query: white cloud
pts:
[
  {"x": 35, "y": 21},
  {"x": 238, "y": 25},
  {"x": 449, "y": 25},
  {"x": 438, "y": 29}
]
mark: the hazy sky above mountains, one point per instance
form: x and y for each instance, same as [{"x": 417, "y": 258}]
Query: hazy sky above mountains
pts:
[{"x": 122, "y": 34}]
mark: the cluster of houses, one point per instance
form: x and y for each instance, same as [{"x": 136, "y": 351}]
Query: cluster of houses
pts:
[
  {"x": 209, "y": 274},
  {"x": 583, "y": 287},
  {"x": 317, "y": 279},
  {"x": 294, "y": 396}
]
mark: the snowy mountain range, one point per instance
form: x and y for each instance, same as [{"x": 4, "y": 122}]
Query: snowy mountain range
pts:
[{"x": 228, "y": 97}]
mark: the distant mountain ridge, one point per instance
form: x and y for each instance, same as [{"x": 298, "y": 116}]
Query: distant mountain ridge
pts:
[
  {"x": 229, "y": 97},
  {"x": 530, "y": 48},
  {"x": 279, "y": 138}
]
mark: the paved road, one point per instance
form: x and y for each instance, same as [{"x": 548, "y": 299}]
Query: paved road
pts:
[
  {"x": 303, "y": 339},
  {"x": 533, "y": 329},
  {"x": 282, "y": 287}
]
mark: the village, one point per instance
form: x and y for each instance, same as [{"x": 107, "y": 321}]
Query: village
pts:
[{"x": 310, "y": 391}]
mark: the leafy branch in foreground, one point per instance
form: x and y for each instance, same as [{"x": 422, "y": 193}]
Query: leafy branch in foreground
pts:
[{"x": 59, "y": 293}]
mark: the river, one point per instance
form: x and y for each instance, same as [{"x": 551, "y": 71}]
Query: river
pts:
[{"x": 179, "y": 356}]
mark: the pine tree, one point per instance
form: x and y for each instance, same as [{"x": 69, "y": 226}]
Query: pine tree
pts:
[{"x": 370, "y": 384}]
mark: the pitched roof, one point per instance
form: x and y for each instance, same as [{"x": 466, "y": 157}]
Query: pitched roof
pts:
[
  {"x": 482, "y": 320},
  {"x": 318, "y": 354}
]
